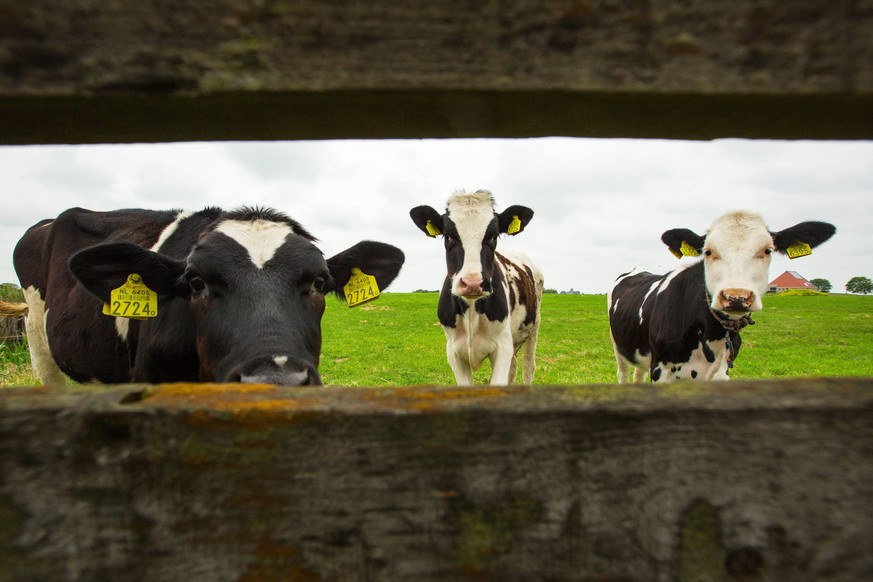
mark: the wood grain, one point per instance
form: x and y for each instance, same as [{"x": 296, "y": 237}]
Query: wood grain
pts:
[
  {"x": 84, "y": 71},
  {"x": 757, "y": 481}
]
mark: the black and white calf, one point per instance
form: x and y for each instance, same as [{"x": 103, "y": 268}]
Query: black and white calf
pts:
[
  {"x": 239, "y": 294},
  {"x": 686, "y": 324},
  {"x": 489, "y": 303}
]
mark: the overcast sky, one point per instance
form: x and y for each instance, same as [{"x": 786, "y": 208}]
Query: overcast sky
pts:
[{"x": 600, "y": 205}]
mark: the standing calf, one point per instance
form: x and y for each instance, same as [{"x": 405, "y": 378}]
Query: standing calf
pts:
[
  {"x": 686, "y": 324},
  {"x": 489, "y": 303}
]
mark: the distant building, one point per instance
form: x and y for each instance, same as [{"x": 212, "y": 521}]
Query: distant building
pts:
[{"x": 790, "y": 280}]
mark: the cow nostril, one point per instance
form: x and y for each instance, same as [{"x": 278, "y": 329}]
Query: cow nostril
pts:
[
  {"x": 297, "y": 379},
  {"x": 471, "y": 284},
  {"x": 736, "y": 299}
]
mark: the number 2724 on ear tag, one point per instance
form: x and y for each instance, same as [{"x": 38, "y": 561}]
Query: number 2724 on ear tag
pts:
[
  {"x": 133, "y": 299},
  {"x": 360, "y": 288}
]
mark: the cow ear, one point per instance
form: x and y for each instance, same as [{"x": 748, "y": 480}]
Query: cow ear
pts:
[
  {"x": 514, "y": 219},
  {"x": 428, "y": 220},
  {"x": 683, "y": 242},
  {"x": 811, "y": 233},
  {"x": 105, "y": 267},
  {"x": 380, "y": 260}
]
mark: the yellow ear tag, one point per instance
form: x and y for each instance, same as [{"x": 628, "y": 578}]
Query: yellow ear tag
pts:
[
  {"x": 133, "y": 299},
  {"x": 360, "y": 288},
  {"x": 431, "y": 229},
  {"x": 798, "y": 250},
  {"x": 514, "y": 226},
  {"x": 688, "y": 250}
]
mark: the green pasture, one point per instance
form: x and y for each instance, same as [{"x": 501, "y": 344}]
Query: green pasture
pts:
[{"x": 396, "y": 340}]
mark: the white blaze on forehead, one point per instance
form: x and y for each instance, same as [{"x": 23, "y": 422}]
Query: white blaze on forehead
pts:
[
  {"x": 471, "y": 214},
  {"x": 261, "y": 238},
  {"x": 738, "y": 240},
  {"x": 740, "y": 230},
  {"x": 170, "y": 229}
]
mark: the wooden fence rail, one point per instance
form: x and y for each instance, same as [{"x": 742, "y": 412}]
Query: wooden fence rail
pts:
[
  {"x": 81, "y": 71},
  {"x": 747, "y": 481}
]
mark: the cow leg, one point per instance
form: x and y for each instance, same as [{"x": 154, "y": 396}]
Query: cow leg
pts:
[
  {"x": 529, "y": 359},
  {"x": 513, "y": 368},
  {"x": 639, "y": 375},
  {"x": 460, "y": 367},
  {"x": 501, "y": 363},
  {"x": 622, "y": 366},
  {"x": 40, "y": 356}
]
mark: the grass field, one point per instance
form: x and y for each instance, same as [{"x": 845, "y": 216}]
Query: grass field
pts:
[{"x": 397, "y": 341}]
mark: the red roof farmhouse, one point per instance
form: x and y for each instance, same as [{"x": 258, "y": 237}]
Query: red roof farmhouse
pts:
[{"x": 790, "y": 280}]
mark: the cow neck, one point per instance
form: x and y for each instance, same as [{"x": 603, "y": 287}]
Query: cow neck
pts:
[{"x": 726, "y": 322}]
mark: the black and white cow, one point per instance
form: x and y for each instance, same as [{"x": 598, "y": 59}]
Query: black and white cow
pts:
[
  {"x": 686, "y": 324},
  {"x": 489, "y": 303},
  {"x": 240, "y": 295}
]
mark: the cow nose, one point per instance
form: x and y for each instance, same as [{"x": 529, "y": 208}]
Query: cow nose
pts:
[
  {"x": 277, "y": 371},
  {"x": 300, "y": 378},
  {"x": 736, "y": 299},
  {"x": 471, "y": 285}
]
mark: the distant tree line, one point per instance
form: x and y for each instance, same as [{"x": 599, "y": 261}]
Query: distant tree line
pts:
[
  {"x": 556, "y": 292},
  {"x": 861, "y": 285}
]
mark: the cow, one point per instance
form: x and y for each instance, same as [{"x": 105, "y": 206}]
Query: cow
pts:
[
  {"x": 686, "y": 324},
  {"x": 239, "y": 295},
  {"x": 489, "y": 305}
]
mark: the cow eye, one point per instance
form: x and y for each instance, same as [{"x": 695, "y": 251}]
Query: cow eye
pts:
[
  {"x": 319, "y": 283},
  {"x": 768, "y": 251},
  {"x": 198, "y": 285},
  {"x": 707, "y": 252}
]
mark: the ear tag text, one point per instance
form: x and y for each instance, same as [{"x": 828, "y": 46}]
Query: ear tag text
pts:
[
  {"x": 133, "y": 299},
  {"x": 360, "y": 288},
  {"x": 688, "y": 250},
  {"x": 514, "y": 226},
  {"x": 432, "y": 231},
  {"x": 798, "y": 250}
]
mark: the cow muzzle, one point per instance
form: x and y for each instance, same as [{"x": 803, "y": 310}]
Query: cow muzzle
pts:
[
  {"x": 472, "y": 287},
  {"x": 735, "y": 300},
  {"x": 278, "y": 371}
]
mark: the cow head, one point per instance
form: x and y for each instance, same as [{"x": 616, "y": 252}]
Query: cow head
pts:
[
  {"x": 255, "y": 287},
  {"x": 470, "y": 228},
  {"x": 736, "y": 252}
]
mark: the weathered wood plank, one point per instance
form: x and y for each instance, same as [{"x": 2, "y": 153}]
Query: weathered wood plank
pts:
[
  {"x": 756, "y": 481},
  {"x": 84, "y": 71}
]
